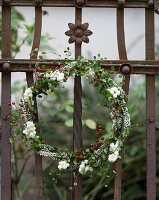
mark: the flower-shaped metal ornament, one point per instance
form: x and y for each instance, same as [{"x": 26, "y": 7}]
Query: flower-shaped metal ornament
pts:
[{"x": 78, "y": 33}]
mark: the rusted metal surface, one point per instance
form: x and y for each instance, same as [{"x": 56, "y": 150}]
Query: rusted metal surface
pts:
[
  {"x": 121, "y": 3},
  {"x": 80, "y": 3},
  {"x": 150, "y": 108},
  {"x": 5, "y": 100},
  {"x": 78, "y": 33},
  {"x": 156, "y": 5},
  {"x": 157, "y": 128},
  {"x": 136, "y": 67},
  {"x": 30, "y": 80},
  {"x": 77, "y": 117},
  {"x": 122, "y": 48},
  {"x": 6, "y": 2},
  {"x": 150, "y": 67},
  {"x": 121, "y": 34},
  {"x": 38, "y": 2},
  {"x": 126, "y": 70},
  {"x": 90, "y": 3}
]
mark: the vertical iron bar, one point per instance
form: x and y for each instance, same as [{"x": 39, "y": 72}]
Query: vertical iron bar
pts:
[
  {"x": 122, "y": 56},
  {"x": 6, "y": 99},
  {"x": 150, "y": 108},
  {"x": 77, "y": 121},
  {"x": 30, "y": 80}
]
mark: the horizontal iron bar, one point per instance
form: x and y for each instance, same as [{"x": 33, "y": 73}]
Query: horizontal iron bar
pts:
[
  {"x": 91, "y": 3},
  {"x": 137, "y": 67}
]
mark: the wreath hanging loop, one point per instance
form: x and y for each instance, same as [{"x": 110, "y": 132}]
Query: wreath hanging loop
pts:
[{"x": 105, "y": 151}]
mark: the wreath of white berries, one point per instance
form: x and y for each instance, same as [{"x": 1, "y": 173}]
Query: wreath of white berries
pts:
[{"x": 105, "y": 151}]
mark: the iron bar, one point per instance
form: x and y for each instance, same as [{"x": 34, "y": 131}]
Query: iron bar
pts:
[
  {"x": 150, "y": 108},
  {"x": 77, "y": 118},
  {"x": 26, "y": 65},
  {"x": 150, "y": 67},
  {"x": 124, "y": 68},
  {"x": 30, "y": 81},
  {"x": 90, "y": 3},
  {"x": 6, "y": 99}
]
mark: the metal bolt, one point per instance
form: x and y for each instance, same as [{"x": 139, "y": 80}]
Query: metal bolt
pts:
[
  {"x": 150, "y": 3},
  {"x": 80, "y": 3},
  {"x": 4, "y": 117},
  {"x": 126, "y": 69},
  {"x": 6, "y": 66},
  {"x": 151, "y": 119},
  {"x": 38, "y": 1},
  {"x": 7, "y": 1},
  {"x": 121, "y": 3}
]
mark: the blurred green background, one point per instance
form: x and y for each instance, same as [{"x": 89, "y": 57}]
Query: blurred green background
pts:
[{"x": 57, "y": 110}]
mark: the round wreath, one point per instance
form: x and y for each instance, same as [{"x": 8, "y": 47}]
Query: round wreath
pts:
[{"x": 106, "y": 150}]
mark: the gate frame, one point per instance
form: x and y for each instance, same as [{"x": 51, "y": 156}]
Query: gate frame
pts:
[{"x": 150, "y": 68}]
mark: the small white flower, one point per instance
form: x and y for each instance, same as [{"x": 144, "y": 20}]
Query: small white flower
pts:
[
  {"x": 70, "y": 65},
  {"x": 83, "y": 168},
  {"x": 86, "y": 168},
  {"x": 59, "y": 167},
  {"x": 63, "y": 165},
  {"x": 113, "y": 157},
  {"x": 113, "y": 146},
  {"x": 91, "y": 72},
  {"x": 115, "y": 95},
  {"x": 116, "y": 153},
  {"x": 80, "y": 170},
  {"x": 114, "y": 91},
  {"x": 56, "y": 75},
  {"x": 25, "y": 132},
  {"x": 86, "y": 161},
  {"x": 60, "y": 77},
  {"x": 82, "y": 165},
  {"x": 30, "y": 129},
  {"x": 32, "y": 134},
  {"x": 47, "y": 75},
  {"x": 28, "y": 94},
  {"x": 46, "y": 152}
]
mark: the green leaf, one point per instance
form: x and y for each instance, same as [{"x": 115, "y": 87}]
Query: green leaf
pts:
[
  {"x": 91, "y": 169},
  {"x": 69, "y": 123},
  {"x": 36, "y": 49},
  {"x": 69, "y": 109},
  {"x": 31, "y": 54},
  {"x": 112, "y": 68},
  {"x": 99, "y": 174},
  {"x": 87, "y": 150},
  {"x": 11, "y": 140},
  {"x": 70, "y": 188},
  {"x": 90, "y": 123}
]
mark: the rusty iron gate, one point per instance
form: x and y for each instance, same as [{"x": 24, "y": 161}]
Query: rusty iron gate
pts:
[{"x": 149, "y": 68}]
